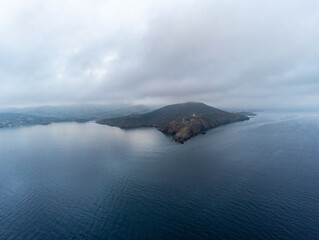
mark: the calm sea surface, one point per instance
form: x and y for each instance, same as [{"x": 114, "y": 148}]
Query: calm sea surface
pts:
[{"x": 257, "y": 179}]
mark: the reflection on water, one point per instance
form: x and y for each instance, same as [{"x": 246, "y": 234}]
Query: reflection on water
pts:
[{"x": 250, "y": 180}]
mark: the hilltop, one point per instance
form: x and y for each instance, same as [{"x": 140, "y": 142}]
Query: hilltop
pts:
[{"x": 182, "y": 121}]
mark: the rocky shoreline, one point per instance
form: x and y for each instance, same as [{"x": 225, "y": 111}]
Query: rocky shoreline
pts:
[{"x": 181, "y": 121}]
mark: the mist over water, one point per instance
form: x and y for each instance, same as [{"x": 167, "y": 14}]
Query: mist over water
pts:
[{"x": 257, "y": 179}]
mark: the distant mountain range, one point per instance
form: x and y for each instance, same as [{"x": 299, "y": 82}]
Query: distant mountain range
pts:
[
  {"x": 18, "y": 119},
  {"x": 182, "y": 121},
  {"x": 44, "y": 115}
]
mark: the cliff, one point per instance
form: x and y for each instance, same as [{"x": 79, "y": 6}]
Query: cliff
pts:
[{"x": 182, "y": 121}]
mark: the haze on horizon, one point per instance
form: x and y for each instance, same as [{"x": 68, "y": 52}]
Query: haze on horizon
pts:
[{"x": 226, "y": 53}]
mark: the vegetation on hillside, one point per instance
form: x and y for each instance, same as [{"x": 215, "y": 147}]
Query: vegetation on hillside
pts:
[{"x": 182, "y": 121}]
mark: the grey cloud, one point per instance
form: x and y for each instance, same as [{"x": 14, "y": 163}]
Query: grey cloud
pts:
[{"x": 226, "y": 53}]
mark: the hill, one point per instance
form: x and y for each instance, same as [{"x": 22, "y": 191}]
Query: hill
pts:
[
  {"x": 182, "y": 121},
  {"x": 44, "y": 115},
  {"x": 18, "y": 119},
  {"x": 78, "y": 113}
]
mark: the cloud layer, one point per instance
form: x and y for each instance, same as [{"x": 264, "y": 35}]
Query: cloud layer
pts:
[{"x": 224, "y": 52}]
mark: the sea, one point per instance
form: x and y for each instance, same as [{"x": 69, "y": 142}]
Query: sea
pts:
[{"x": 257, "y": 179}]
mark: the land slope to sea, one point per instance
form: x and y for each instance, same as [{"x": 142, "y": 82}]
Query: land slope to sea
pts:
[
  {"x": 44, "y": 115},
  {"x": 182, "y": 121}
]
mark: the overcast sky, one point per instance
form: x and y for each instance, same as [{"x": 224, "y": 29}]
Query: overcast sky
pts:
[{"x": 227, "y": 53}]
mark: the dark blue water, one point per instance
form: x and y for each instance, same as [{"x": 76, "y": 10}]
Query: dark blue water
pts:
[{"x": 257, "y": 179}]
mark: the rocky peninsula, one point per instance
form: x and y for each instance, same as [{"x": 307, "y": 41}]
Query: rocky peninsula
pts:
[{"x": 181, "y": 121}]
